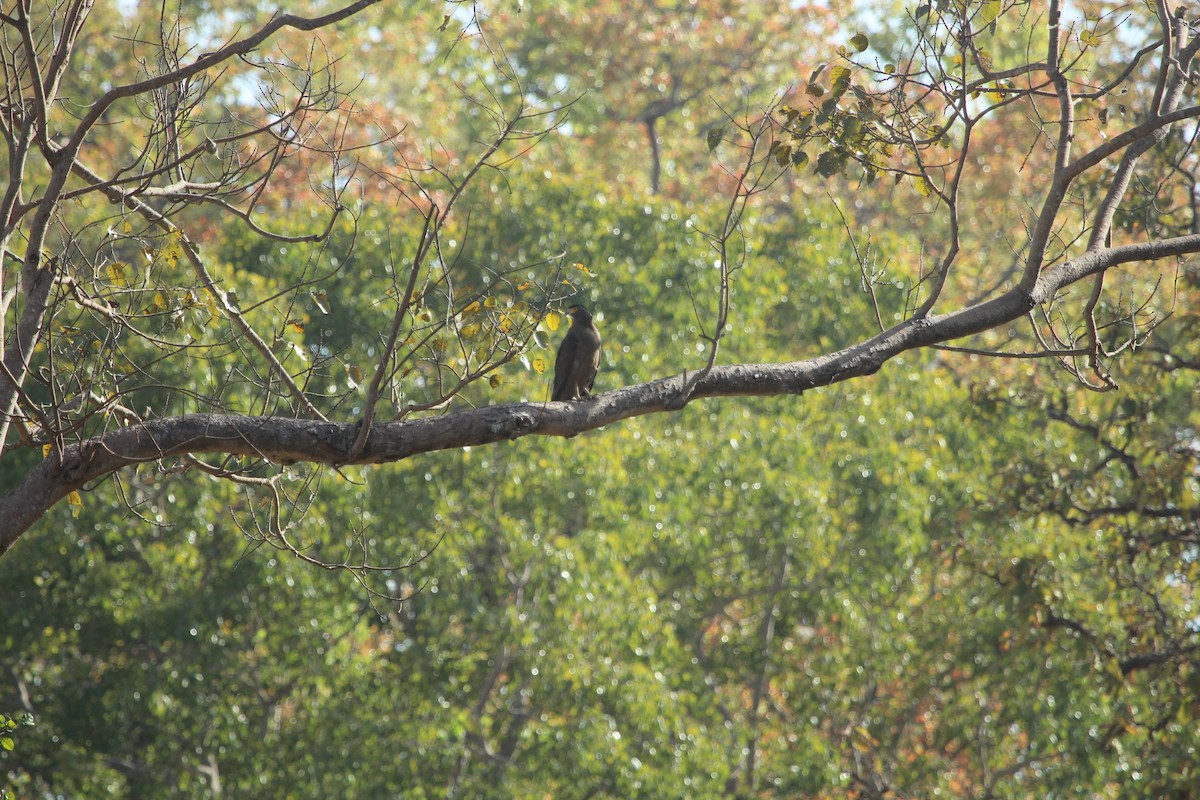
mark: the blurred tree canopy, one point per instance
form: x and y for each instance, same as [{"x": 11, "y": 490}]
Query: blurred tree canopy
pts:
[{"x": 264, "y": 341}]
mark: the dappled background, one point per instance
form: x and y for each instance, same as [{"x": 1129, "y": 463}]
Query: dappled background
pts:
[{"x": 965, "y": 576}]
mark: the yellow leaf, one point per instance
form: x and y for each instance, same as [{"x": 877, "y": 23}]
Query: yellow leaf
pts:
[
  {"x": 865, "y": 736},
  {"x": 553, "y": 321},
  {"x": 46, "y": 450},
  {"x": 76, "y": 503},
  {"x": 923, "y": 187},
  {"x": 990, "y": 11},
  {"x": 495, "y": 380},
  {"x": 117, "y": 273},
  {"x": 296, "y": 325},
  {"x": 489, "y": 302},
  {"x": 1188, "y": 499},
  {"x": 539, "y": 365},
  {"x": 173, "y": 248}
]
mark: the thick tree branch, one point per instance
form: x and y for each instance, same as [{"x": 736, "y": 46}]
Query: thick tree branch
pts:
[
  {"x": 289, "y": 440},
  {"x": 38, "y": 273}
]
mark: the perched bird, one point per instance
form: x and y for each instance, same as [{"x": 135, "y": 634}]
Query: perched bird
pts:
[{"x": 578, "y": 357}]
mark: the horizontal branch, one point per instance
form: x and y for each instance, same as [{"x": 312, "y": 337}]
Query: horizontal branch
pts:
[
  {"x": 1145, "y": 660},
  {"x": 285, "y": 440}
]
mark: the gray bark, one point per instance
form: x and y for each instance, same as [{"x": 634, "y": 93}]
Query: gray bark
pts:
[{"x": 287, "y": 440}]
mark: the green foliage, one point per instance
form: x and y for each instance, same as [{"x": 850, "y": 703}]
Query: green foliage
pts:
[
  {"x": 954, "y": 578},
  {"x": 9, "y": 729},
  {"x": 882, "y": 583}
]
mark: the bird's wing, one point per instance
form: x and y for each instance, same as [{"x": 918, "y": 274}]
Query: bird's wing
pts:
[
  {"x": 595, "y": 367},
  {"x": 562, "y": 365}
]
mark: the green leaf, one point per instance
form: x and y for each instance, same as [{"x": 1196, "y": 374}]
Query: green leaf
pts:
[
  {"x": 828, "y": 109},
  {"x": 990, "y": 11},
  {"x": 782, "y": 153},
  {"x": 830, "y": 163},
  {"x": 860, "y": 42},
  {"x": 714, "y": 138},
  {"x": 852, "y": 130},
  {"x": 841, "y": 80}
]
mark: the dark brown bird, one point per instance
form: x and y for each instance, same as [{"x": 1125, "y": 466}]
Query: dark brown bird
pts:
[{"x": 578, "y": 357}]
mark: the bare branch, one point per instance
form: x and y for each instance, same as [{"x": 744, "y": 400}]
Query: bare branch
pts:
[{"x": 288, "y": 440}]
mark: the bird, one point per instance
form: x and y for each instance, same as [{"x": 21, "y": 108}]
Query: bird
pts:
[{"x": 578, "y": 357}]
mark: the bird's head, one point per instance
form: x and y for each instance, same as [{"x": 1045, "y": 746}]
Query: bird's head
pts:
[{"x": 578, "y": 312}]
